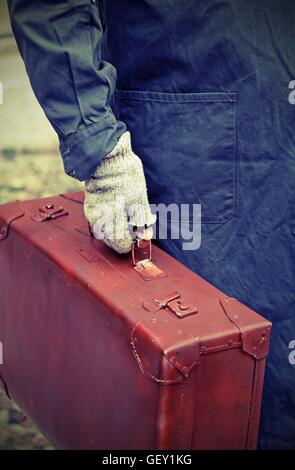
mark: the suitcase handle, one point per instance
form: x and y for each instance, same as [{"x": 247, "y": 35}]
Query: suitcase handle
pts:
[
  {"x": 141, "y": 253},
  {"x": 143, "y": 248}
]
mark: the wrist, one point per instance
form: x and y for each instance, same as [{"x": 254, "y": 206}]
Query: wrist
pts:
[
  {"x": 123, "y": 146},
  {"x": 120, "y": 160}
]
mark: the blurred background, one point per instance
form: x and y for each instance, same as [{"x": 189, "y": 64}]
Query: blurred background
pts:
[{"x": 30, "y": 167}]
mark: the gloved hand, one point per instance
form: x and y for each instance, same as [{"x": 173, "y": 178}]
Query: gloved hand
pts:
[{"x": 116, "y": 203}]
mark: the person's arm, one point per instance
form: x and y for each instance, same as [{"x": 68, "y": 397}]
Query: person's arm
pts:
[{"x": 60, "y": 42}]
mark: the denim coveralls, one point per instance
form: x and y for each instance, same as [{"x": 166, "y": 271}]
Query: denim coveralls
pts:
[{"x": 207, "y": 89}]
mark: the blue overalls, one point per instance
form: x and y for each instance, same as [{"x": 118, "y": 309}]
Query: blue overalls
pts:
[{"x": 207, "y": 89}]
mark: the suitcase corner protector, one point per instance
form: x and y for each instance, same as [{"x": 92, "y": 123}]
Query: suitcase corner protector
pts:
[
  {"x": 164, "y": 365},
  {"x": 255, "y": 336}
]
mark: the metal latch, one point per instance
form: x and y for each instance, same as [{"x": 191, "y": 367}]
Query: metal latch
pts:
[
  {"x": 49, "y": 212},
  {"x": 174, "y": 302},
  {"x": 142, "y": 260}
]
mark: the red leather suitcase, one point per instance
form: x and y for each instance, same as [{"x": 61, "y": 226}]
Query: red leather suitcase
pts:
[{"x": 104, "y": 353}]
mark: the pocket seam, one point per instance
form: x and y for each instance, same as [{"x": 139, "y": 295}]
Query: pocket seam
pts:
[
  {"x": 155, "y": 96},
  {"x": 227, "y": 219}
]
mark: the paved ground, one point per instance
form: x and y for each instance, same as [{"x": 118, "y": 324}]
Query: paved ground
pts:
[
  {"x": 16, "y": 431},
  {"x": 30, "y": 176}
]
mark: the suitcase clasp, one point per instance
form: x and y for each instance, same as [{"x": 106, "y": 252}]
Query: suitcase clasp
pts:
[
  {"x": 175, "y": 303},
  {"x": 181, "y": 308},
  {"x": 49, "y": 212}
]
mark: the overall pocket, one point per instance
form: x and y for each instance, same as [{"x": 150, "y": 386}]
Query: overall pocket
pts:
[{"x": 187, "y": 144}]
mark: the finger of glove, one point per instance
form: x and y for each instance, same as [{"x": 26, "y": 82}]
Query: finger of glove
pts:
[
  {"x": 144, "y": 233},
  {"x": 113, "y": 229},
  {"x": 139, "y": 212}
]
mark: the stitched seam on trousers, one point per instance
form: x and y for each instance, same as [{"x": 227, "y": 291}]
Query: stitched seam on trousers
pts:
[{"x": 174, "y": 102}]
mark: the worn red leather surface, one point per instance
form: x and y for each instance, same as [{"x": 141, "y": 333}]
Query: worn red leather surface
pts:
[{"x": 98, "y": 362}]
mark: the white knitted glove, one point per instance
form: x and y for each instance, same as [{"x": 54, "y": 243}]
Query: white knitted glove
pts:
[{"x": 116, "y": 203}]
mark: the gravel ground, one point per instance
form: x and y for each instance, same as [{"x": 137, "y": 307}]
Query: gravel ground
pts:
[
  {"x": 27, "y": 176},
  {"x": 16, "y": 430}
]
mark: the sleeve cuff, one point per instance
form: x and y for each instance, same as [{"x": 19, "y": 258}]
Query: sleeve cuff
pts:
[{"x": 83, "y": 151}]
